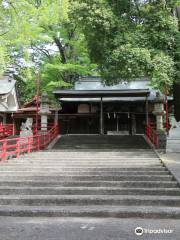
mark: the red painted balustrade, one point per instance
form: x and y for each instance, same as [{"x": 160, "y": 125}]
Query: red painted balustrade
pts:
[{"x": 14, "y": 147}]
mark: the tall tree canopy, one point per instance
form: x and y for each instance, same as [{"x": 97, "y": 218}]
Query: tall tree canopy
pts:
[{"x": 131, "y": 38}]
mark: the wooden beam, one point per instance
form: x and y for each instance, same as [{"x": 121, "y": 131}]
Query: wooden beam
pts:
[
  {"x": 147, "y": 112},
  {"x": 101, "y": 118}
]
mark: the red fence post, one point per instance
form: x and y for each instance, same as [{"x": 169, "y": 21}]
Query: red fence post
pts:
[
  {"x": 18, "y": 148},
  {"x": 29, "y": 144},
  {"x": 4, "y": 151},
  {"x": 152, "y": 135},
  {"x": 38, "y": 142}
]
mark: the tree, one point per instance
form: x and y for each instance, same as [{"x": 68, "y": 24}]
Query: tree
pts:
[
  {"x": 42, "y": 36},
  {"x": 133, "y": 38}
]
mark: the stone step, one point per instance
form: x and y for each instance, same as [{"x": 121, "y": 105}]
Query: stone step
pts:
[
  {"x": 89, "y": 156},
  {"x": 95, "y": 150},
  {"x": 92, "y": 146},
  {"x": 79, "y": 169},
  {"x": 123, "y": 160},
  {"x": 84, "y": 155},
  {"x": 126, "y": 184},
  {"x": 80, "y": 152},
  {"x": 94, "y": 161},
  {"x": 88, "y": 191},
  {"x": 103, "y": 140},
  {"x": 153, "y": 212},
  {"x": 125, "y": 200},
  {"x": 88, "y": 153},
  {"x": 119, "y": 165},
  {"x": 82, "y": 165},
  {"x": 122, "y": 150},
  {"x": 129, "y": 150},
  {"x": 64, "y": 178},
  {"x": 59, "y": 172}
]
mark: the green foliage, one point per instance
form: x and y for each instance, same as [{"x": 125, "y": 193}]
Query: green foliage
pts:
[
  {"x": 163, "y": 72},
  {"x": 27, "y": 89},
  {"x": 69, "y": 68},
  {"x": 32, "y": 27},
  {"x": 55, "y": 75},
  {"x": 129, "y": 39},
  {"x": 2, "y": 60},
  {"x": 160, "y": 28},
  {"x": 96, "y": 19},
  {"x": 127, "y": 62}
]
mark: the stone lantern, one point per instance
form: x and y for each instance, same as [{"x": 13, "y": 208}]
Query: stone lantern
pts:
[
  {"x": 160, "y": 113},
  {"x": 44, "y": 111}
]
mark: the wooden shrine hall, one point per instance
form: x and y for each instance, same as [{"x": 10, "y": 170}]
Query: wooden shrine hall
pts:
[{"x": 92, "y": 108}]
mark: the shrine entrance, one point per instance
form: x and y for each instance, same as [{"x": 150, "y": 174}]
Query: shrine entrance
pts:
[{"x": 117, "y": 123}]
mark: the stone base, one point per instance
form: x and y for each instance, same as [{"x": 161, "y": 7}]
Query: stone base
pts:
[{"x": 162, "y": 138}]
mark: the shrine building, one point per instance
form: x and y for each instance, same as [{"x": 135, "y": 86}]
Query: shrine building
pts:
[{"x": 95, "y": 108}]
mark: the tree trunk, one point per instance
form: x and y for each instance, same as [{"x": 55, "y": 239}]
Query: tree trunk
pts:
[{"x": 61, "y": 50}]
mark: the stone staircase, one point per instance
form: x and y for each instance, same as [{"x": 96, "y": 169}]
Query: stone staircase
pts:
[{"x": 90, "y": 182}]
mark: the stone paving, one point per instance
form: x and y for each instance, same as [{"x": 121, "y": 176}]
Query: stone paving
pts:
[{"x": 87, "y": 229}]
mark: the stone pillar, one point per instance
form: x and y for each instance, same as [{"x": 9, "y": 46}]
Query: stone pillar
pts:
[
  {"x": 44, "y": 111},
  {"x": 56, "y": 117},
  {"x": 160, "y": 113}
]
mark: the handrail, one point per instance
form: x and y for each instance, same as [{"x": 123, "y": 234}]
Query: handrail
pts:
[
  {"x": 14, "y": 147},
  {"x": 152, "y": 135}
]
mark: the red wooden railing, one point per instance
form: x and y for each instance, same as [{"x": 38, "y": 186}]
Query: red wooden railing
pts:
[
  {"x": 152, "y": 135},
  {"x": 14, "y": 147},
  {"x": 6, "y": 130}
]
